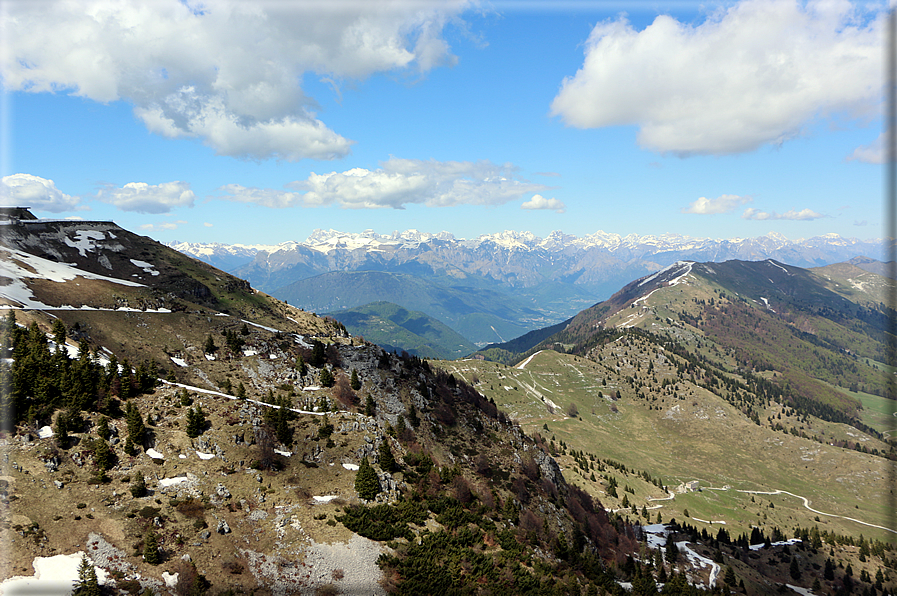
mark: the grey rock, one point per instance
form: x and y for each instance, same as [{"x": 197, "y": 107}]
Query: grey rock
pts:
[
  {"x": 205, "y": 535},
  {"x": 222, "y": 528},
  {"x": 58, "y": 484}
]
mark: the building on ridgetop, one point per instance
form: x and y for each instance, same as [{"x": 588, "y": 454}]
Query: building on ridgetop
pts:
[{"x": 689, "y": 487}]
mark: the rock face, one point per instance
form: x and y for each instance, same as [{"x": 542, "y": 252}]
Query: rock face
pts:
[
  {"x": 220, "y": 495},
  {"x": 549, "y": 467}
]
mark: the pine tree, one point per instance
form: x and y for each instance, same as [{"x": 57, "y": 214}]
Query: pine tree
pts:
[
  {"x": 136, "y": 428},
  {"x": 87, "y": 585},
  {"x": 317, "y": 354},
  {"x": 354, "y": 382},
  {"x": 326, "y": 378},
  {"x": 370, "y": 407},
  {"x": 367, "y": 484},
  {"x": 301, "y": 367},
  {"x": 794, "y": 570},
  {"x": 151, "y": 552},
  {"x": 730, "y": 578},
  {"x": 138, "y": 485},
  {"x": 59, "y": 334},
  {"x": 185, "y": 398},
  {"x": 210, "y": 347},
  {"x": 387, "y": 461},
  {"x": 196, "y": 422},
  {"x": 672, "y": 552},
  {"x": 62, "y": 430},
  {"x": 103, "y": 430},
  {"x": 102, "y": 455}
]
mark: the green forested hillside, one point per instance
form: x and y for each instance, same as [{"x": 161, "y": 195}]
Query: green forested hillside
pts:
[{"x": 395, "y": 329}]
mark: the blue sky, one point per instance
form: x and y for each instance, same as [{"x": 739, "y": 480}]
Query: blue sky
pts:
[{"x": 260, "y": 122}]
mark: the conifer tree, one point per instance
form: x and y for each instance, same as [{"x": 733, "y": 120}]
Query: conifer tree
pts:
[
  {"x": 196, "y": 422},
  {"x": 730, "y": 578},
  {"x": 794, "y": 569},
  {"x": 387, "y": 460},
  {"x": 326, "y": 378},
  {"x": 102, "y": 455},
  {"x": 103, "y": 430},
  {"x": 317, "y": 354},
  {"x": 87, "y": 585},
  {"x": 209, "y": 347},
  {"x": 59, "y": 334},
  {"x": 370, "y": 407},
  {"x": 62, "y": 430},
  {"x": 151, "y": 552},
  {"x": 355, "y": 382},
  {"x": 138, "y": 485},
  {"x": 672, "y": 553},
  {"x": 367, "y": 484},
  {"x": 301, "y": 367},
  {"x": 185, "y": 398},
  {"x": 136, "y": 428}
]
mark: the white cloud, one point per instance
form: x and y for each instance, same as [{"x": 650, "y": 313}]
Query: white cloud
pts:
[
  {"x": 398, "y": 182},
  {"x": 873, "y": 153},
  {"x": 227, "y": 72},
  {"x": 540, "y": 202},
  {"x": 753, "y": 74},
  {"x": 25, "y": 190},
  {"x": 145, "y": 198},
  {"x": 802, "y": 215},
  {"x": 168, "y": 225},
  {"x": 721, "y": 204}
]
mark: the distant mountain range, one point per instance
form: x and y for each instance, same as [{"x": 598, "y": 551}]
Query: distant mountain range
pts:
[
  {"x": 515, "y": 259},
  {"x": 553, "y": 278}
]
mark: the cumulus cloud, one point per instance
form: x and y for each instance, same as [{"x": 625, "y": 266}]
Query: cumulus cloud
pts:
[
  {"x": 721, "y": 204},
  {"x": 222, "y": 71},
  {"x": 25, "y": 190},
  {"x": 398, "y": 182},
  {"x": 540, "y": 202},
  {"x": 145, "y": 198},
  {"x": 753, "y": 74},
  {"x": 802, "y": 215}
]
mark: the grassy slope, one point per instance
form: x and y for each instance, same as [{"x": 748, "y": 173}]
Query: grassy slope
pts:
[{"x": 691, "y": 436}]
